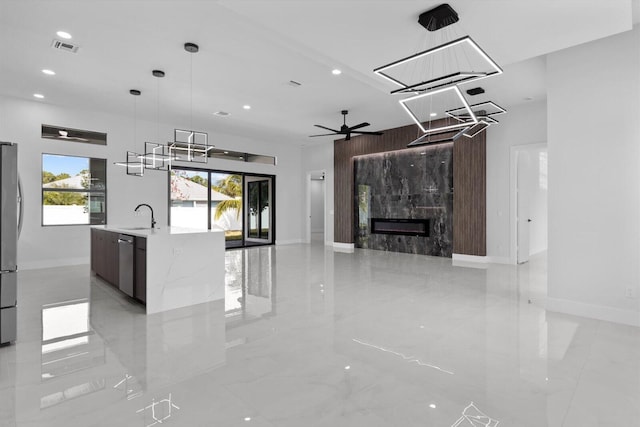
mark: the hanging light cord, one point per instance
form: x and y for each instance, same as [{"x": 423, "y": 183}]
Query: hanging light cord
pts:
[
  {"x": 158, "y": 110},
  {"x": 191, "y": 92},
  {"x": 135, "y": 122}
]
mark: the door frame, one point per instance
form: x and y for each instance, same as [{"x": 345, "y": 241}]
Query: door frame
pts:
[
  {"x": 513, "y": 198},
  {"x": 307, "y": 233},
  {"x": 245, "y": 205}
]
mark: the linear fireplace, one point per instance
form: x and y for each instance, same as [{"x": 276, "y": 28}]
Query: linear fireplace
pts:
[{"x": 405, "y": 227}]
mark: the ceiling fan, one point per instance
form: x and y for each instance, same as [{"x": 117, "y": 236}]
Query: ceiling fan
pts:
[
  {"x": 65, "y": 134},
  {"x": 346, "y": 130}
]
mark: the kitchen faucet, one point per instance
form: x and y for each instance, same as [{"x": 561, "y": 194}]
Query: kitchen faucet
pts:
[{"x": 153, "y": 221}]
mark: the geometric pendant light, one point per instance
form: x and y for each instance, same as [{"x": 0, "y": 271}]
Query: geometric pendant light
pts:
[
  {"x": 455, "y": 62},
  {"x": 156, "y": 155},
  {"x": 437, "y": 100},
  {"x": 190, "y": 145},
  {"x": 133, "y": 163},
  {"x": 484, "y": 113},
  {"x": 437, "y": 105}
]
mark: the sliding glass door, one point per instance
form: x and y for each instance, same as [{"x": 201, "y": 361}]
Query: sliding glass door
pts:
[
  {"x": 226, "y": 206},
  {"x": 189, "y": 198},
  {"x": 259, "y": 217},
  {"x": 239, "y": 204}
]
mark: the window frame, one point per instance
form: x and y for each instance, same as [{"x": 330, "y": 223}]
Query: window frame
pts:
[{"x": 88, "y": 191}]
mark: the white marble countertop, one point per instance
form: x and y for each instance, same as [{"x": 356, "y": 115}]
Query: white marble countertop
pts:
[
  {"x": 185, "y": 266},
  {"x": 150, "y": 232}
]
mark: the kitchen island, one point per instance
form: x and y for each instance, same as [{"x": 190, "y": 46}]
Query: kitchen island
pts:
[{"x": 163, "y": 268}]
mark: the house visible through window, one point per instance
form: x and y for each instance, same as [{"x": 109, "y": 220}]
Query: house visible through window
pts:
[
  {"x": 74, "y": 190},
  {"x": 214, "y": 199}
]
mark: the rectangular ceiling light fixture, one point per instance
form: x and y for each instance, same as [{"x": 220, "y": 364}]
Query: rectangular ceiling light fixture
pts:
[
  {"x": 476, "y": 129},
  {"x": 156, "y": 156},
  {"x": 134, "y": 164},
  {"x": 484, "y": 109},
  {"x": 190, "y": 146},
  {"x": 427, "y": 138},
  {"x": 409, "y": 105},
  {"x": 403, "y": 71}
]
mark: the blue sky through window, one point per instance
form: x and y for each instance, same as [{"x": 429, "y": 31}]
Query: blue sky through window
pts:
[{"x": 64, "y": 164}]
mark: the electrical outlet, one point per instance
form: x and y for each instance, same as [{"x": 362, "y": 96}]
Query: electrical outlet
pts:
[{"x": 630, "y": 292}]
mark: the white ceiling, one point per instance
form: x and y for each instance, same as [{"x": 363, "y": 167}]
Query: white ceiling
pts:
[{"x": 249, "y": 50}]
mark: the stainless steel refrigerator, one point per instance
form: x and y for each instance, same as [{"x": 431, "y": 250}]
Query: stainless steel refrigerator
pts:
[{"x": 9, "y": 205}]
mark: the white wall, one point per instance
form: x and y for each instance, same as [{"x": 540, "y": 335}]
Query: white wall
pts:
[
  {"x": 317, "y": 205},
  {"x": 315, "y": 158},
  {"x": 39, "y": 246},
  {"x": 522, "y": 125},
  {"x": 594, "y": 178}
]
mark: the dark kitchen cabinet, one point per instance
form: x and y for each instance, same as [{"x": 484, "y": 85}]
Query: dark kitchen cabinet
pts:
[
  {"x": 141, "y": 269},
  {"x": 105, "y": 260}
]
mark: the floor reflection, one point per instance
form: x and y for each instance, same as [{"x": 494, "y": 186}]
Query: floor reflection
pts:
[
  {"x": 366, "y": 338},
  {"x": 250, "y": 285}
]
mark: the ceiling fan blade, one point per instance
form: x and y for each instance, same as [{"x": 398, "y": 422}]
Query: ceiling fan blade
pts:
[
  {"x": 369, "y": 133},
  {"x": 361, "y": 125},
  {"x": 324, "y": 127},
  {"x": 324, "y": 134}
]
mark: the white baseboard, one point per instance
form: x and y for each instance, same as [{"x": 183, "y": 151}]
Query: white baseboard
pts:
[
  {"x": 499, "y": 260},
  {"x": 289, "y": 242},
  {"x": 609, "y": 314},
  {"x": 469, "y": 258},
  {"x": 50, "y": 263},
  {"x": 343, "y": 247}
]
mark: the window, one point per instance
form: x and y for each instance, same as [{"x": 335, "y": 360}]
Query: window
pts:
[
  {"x": 74, "y": 190},
  {"x": 189, "y": 199}
]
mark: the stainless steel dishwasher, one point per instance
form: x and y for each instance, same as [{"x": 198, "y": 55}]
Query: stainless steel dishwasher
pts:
[{"x": 126, "y": 259}]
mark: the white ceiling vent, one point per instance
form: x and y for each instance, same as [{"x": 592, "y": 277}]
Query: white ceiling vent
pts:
[{"x": 63, "y": 45}]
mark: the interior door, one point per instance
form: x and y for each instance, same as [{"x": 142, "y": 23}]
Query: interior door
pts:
[{"x": 522, "y": 199}]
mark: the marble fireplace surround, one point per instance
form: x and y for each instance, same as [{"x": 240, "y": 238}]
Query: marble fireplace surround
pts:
[
  {"x": 469, "y": 179},
  {"x": 403, "y": 186}
]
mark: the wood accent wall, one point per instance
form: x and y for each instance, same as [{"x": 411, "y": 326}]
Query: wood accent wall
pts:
[
  {"x": 470, "y": 196},
  {"x": 469, "y": 213}
]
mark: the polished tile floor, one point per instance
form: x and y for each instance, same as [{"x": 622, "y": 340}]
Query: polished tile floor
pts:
[{"x": 311, "y": 337}]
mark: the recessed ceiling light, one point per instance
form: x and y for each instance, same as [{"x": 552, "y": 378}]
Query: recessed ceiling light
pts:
[
  {"x": 347, "y": 367},
  {"x": 432, "y": 406},
  {"x": 38, "y": 95},
  {"x": 336, "y": 72},
  {"x": 64, "y": 35},
  {"x": 247, "y": 107},
  {"x": 49, "y": 72},
  {"x": 433, "y": 114},
  {"x": 247, "y": 418}
]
